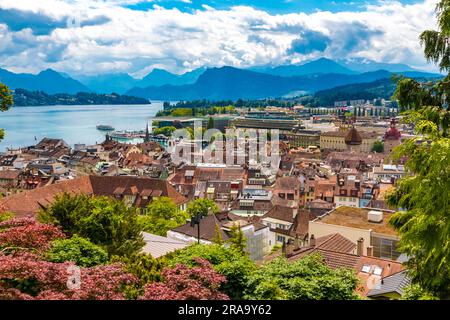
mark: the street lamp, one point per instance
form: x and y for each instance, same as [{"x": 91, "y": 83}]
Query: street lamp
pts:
[{"x": 195, "y": 220}]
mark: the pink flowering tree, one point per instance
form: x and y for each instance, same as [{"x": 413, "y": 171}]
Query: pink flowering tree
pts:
[
  {"x": 183, "y": 283},
  {"x": 27, "y": 234},
  {"x": 24, "y": 276}
]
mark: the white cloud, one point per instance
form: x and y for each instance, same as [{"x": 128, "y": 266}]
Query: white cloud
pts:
[{"x": 112, "y": 38}]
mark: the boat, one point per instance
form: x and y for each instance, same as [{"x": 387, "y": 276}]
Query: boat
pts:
[
  {"x": 127, "y": 134},
  {"x": 103, "y": 127}
]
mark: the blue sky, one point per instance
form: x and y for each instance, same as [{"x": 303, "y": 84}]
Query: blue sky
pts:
[
  {"x": 272, "y": 6},
  {"x": 133, "y": 36}
]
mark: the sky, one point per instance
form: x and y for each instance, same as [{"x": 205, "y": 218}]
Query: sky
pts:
[{"x": 134, "y": 36}]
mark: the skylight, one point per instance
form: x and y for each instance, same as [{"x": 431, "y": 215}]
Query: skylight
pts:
[
  {"x": 366, "y": 269},
  {"x": 378, "y": 271}
]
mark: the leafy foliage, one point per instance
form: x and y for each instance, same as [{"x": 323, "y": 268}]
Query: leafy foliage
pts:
[
  {"x": 305, "y": 279},
  {"x": 6, "y": 99},
  {"x": 104, "y": 221},
  {"x": 378, "y": 147},
  {"x": 27, "y": 234},
  {"x": 25, "y": 277},
  {"x": 210, "y": 123},
  {"x": 415, "y": 292},
  {"x": 183, "y": 283},
  {"x": 436, "y": 43},
  {"x": 412, "y": 94},
  {"x": 6, "y": 216},
  {"x": 226, "y": 261},
  {"x": 217, "y": 239},
  {"x": 145, "y": 268},
  {"x": 237, "y": 239},
  {"x": 202, "y": 207},
  {"x": 78, "y": 250},
  {"x": 167, "y": 131},
  {"x": 6, "y": 102},
  {"x": 161, "y": 216},
  {"x": 424, "y": 224}
]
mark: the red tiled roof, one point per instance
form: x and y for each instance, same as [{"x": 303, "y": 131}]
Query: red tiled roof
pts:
[
  {"x": 207, "y": 228},
  {"x": 9, "y": 174},
  {"x": 335, "y": 242},
  {"x": 30, "y": 202},
  {"x": 281, "y": 213},
  {"x": 337, "y": 252}
]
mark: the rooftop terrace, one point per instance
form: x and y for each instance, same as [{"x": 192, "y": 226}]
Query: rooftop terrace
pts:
[{"x": 357, "y": 218}]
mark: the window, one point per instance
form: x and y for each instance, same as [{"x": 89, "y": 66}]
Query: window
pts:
[
  {"x": 365, "y": 269},
  {"x": 280, "y": 239},
  {"x": 385, "y": 248},
  {"x": 378, "y": 271}
]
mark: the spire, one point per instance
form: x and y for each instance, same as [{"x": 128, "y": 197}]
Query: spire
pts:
[
  {"x": 147, "y": 134},
  {"x": 353, "y": 137}
]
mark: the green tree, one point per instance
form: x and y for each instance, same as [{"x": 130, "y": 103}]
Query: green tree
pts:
[
  {"x": 437, "y": 48},
  {"x": 237, "y": 268},
  {"x": 210, "y": 123},
  {"x": 415, "y": 292},
  {"x": 162, "y": 215},
  {"x": 6, "y": 101},
  {"x": 202, "y": 207},
  {"x": 167, "y": 131},
  {"x": 378, "y": 147},
  {"x": 6, "y": 216},
  {"x": 305, "y": 279},
  {"x": 217, "y": 239},
  {"x": 143, "y": 266},
  {"x": 6, "y": 98},
  {"x": 106, "y": 222},
  {"x": 237, "y": 239},
  {"x": 424, "y": 222},
  {"x": 77, "y": 249}
]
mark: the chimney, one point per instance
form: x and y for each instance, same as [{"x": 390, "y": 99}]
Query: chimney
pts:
[
  {"x": 289, "y": 248},
  {"x": 296, "y": 243},
  {"x": 312, "y": 241},
  {"x": 370, "y": 251},
  {"x": 360, "y": 247}
]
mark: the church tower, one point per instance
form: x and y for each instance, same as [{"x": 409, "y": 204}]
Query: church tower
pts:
[
  {"x": 391, "y": 137},
  {"x": 147, "y": 134}
]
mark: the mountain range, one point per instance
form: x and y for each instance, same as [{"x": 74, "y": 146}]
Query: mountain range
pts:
[
  {"x": 218, "y": 83},
  {"x": 122, "y": 82},
  {"x": 48, "y": 81},
  {"x": 382, "y": 88},
  {"x": 232, "y": 83},
  {"x": 322, "y": 65}
]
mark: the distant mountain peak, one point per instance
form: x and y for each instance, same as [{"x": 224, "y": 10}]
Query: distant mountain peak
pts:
[
  {"x": 49, "y": 71},
  {"x": 49, "y": 81}
]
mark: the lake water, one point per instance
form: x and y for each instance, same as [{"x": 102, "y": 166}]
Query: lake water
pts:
[{"x": 74, "y": 124}]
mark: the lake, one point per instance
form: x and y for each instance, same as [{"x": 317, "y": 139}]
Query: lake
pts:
[{"x": 25, "y": 126}]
